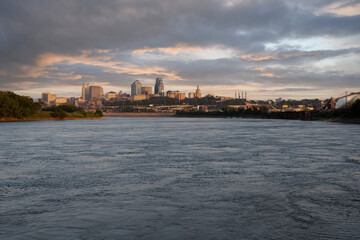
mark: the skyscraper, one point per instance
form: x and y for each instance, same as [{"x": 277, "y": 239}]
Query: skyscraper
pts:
[
  {"x": 89, "y": 92},
  {"x": 159, "y": 86},
  {"x": 136, "y": 88},
  {"x": 198, "y": 92},
  {"x": 146, "y": 90},
  {"x": 96, "y": 92}
]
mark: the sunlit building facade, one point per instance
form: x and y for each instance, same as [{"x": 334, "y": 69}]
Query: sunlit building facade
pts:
[
  {"x": 136, "y": 88},
  {"x": 198, "y": 92},
  {"x": 48, "y": 98}
]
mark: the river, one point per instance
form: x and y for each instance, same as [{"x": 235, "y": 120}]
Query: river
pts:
[{"x": 179, "y": 178}]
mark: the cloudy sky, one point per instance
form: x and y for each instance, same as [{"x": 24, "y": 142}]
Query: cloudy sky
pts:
[{"x": 269, "y": 48}]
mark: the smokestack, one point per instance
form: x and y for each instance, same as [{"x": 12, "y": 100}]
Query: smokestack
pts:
[{"x": 245, "y": 95}]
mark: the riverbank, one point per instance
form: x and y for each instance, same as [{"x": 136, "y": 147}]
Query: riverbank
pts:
[
  {"x": 141, "y": 114},
  {"x": 48, "y": 116},
  {"x": 46, "y": 119}
]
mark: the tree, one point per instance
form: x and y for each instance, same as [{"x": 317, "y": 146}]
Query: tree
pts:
[
  {"x": 99, "y": 113},
  {"x": 59, "y": 113}
]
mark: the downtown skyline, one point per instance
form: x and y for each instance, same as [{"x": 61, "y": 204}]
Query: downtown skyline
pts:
[{"x": 270, "y": 49}]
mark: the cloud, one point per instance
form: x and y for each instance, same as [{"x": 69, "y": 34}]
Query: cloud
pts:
[{"x": 211, "y": 42}]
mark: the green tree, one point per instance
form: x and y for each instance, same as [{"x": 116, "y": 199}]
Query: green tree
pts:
[
  {"x": 99, "y": 113},
  {"x": 59, "y": 113}
]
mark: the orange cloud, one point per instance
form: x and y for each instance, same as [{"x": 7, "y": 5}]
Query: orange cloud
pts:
[
  {"x": 264, "y": 72},
  {"x": 170, "y": 50},
  {"x": 46, "y": 61},
  {"x": 278, "y": 56},
  {"x": 343, "y": 9}
]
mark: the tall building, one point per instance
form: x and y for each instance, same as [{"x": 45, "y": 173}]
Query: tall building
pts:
[
  {"x": 146, "y": 90},
  {"x": 136, "y": 88},
  {"x": 159, "y": 86},
  {"x": 48, "y": 98},
  {"x": 96, "y": 92},
  {"x": 89, "y": 92},
  {"x": 85, "y": 92},
  {"x": 198, "y": 92},
  {"x": 191, "y": 95}
]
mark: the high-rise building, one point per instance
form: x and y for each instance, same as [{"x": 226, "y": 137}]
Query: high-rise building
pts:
[
  {"x": 136, "y": 88},
  {"x": 96, "y": 92},
  {"x": 85, "y": 92},
  {"x": 191, "y": 95},
  {"x": 198, "y": 92},
  {"x": 89, "y": 92},
  {"x": 159, "y": 86},
  {"x": 48, "y": 98},
  {"x": 146, "y": 90}
]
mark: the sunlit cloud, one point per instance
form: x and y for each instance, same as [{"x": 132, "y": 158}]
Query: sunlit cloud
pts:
[
  {"x": 344, "y": 8},
  {"x": 170, "y": 50},
  {"x": 45, "y": 63}
]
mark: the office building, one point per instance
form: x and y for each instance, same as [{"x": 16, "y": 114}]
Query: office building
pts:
[
  {"x": 61, "y": 100},
  {"x": 136, "y": 88},
  {"x": 89, "y": 92},
  {"x": 191, "y": 95},
  {"x": 175, "y": 94},
  {"x": 146, "y": 90},
  {"x": 159, "y": 86},
  {"x": 48, "y": 98},
  {"x": 96, "y": 92},
  {"x": 110, "y": 95},
  {"x": 85, "y": 95},
  {"x": 198, "y": 92},
  {"x": 138, "y": 97}
]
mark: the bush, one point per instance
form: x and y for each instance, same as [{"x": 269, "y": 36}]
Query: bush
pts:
[
  {"x": 59, "y": 113},
  {"x": 99, "y": 113}
]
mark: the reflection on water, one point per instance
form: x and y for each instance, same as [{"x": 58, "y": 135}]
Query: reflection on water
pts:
[{"x": 150, "y": 178}]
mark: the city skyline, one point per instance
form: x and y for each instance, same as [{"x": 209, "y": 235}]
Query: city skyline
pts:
[{"x": 269, "y": 49}]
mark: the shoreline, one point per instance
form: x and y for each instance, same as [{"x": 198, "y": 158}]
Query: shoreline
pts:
[
  {"x": 45, "y": 119},
  {"x": 134, "y": 114}
]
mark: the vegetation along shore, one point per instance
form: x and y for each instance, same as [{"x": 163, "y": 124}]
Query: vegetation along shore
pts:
[{"x": 18, "y": 108}]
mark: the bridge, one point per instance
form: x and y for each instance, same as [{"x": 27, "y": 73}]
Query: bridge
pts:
[{"x": 345, "y": 95}]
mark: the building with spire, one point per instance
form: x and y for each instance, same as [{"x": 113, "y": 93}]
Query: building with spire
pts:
[{"x": 198, "y": 92}]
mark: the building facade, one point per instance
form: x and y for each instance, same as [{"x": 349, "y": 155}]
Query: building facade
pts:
[
  {"x": 61, "y": 100},
  {"x": 48, "y": 98},
  {"x": 146, "y": 90},
  {"x": 89, "y": 92},
  {"x": 159, "y": 86},
  {"x": 198, "y": 92},
  {"x": 96, "y": 92},
  {"x": 111, "y": 95},
  {"x": 136, "y": 88}
]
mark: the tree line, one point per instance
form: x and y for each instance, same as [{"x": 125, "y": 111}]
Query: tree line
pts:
[{"x": 15, "y": 106}]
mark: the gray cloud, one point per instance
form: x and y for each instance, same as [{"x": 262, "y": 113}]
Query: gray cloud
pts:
[{"x": 30, "y": 28}]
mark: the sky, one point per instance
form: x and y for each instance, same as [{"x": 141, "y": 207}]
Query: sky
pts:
[{"x": 294, "y": 49}]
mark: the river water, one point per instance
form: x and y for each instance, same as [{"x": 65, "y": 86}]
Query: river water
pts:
[{"x": 179, "y": 178}]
